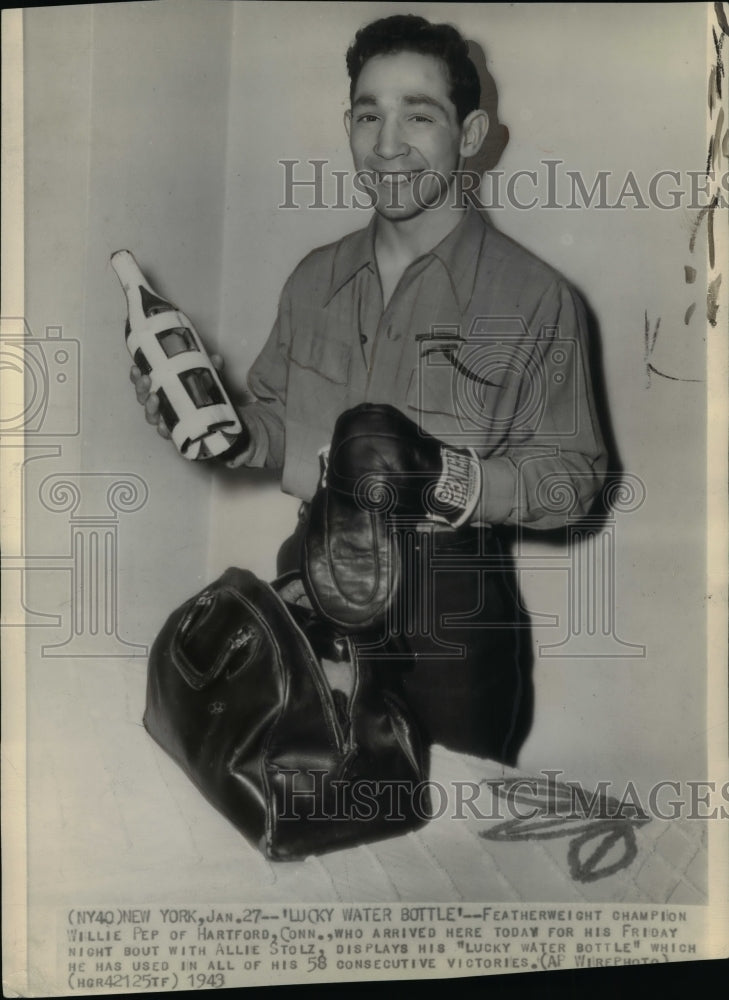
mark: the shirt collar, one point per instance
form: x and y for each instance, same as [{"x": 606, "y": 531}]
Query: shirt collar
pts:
[
  {"x": 353, "y": 253},
  {"x": 459, "y": 253}
]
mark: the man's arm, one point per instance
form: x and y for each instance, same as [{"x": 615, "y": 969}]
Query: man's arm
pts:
[
  {"x": 265, "y": 415},
  {"x": 552, "y": 465}
]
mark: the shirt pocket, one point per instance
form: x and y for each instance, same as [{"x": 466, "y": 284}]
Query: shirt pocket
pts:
[
  {"x": 322, "y": 356},
  {"x": 457, "y": 392},
  {"x": 431, "y": 397}
]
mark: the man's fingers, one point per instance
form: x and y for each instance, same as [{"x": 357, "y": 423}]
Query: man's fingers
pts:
[
  {"x": 151, "y": 408},
  {"x": 149, "y": 400},
  {"x": 142, "y": 387},
  {"x": 152, "y": 414}
]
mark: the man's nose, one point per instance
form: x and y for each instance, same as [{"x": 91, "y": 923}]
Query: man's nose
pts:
[{"x": 390, "y": 141}]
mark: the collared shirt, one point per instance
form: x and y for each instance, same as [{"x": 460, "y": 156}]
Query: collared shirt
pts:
[{"x": 482, "y": 344}]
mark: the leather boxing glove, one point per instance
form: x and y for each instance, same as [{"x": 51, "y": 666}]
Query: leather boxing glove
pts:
[
  {"x": 350, "y": 563},
  {"x": 383, "y": 461}
]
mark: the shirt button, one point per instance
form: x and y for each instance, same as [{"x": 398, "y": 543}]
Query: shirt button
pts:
[{"x": 363, "y": 338}]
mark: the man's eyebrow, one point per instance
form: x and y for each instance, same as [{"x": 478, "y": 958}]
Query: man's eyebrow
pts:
[
  {"x": 425, "y": 99},
  {"x": 412, "y": 100}
]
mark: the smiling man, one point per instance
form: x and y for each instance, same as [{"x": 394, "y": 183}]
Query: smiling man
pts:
[
  {"x": 428, "y": 349},
  {"x": 407, "y": 137}
]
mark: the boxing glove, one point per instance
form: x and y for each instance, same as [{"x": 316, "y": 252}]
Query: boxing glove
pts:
[
  {"x": 350, "y": 563},
  {"x": 383, "y": 461}
]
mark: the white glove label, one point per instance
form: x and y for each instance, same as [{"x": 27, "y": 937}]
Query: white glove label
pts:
[{"x": 459, "y": 486}]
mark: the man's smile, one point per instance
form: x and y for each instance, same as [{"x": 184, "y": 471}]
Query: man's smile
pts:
[{"x": 394, "y": 176}]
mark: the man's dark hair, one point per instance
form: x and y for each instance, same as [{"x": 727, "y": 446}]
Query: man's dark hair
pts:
[{"x": 409, "y": 33}]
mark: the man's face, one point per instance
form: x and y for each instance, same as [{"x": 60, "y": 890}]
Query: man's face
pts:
[{"x": 402, "y": 123}]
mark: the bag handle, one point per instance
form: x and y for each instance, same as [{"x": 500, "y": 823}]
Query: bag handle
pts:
[{"x": 216, "y": 633}]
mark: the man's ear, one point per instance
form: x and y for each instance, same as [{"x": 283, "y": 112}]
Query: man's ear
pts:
[
  {"x": 473, "y": 132},
  {"x": 348, "y": 121}
]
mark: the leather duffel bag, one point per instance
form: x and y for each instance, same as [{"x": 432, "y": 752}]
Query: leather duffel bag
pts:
[{"x": 237, "y": 695}]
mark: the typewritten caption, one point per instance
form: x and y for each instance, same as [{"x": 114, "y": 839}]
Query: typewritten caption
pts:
[{"x": 216, "y": 946}]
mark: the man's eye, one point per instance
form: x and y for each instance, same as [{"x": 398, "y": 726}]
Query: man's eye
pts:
[
  {"x": 365, "y": 119},
  {"x": 421, "y": 118}
]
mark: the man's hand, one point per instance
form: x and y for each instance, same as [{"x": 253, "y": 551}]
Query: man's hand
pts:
[
  {"x": 381, "y": 458},
  {"x": 149, "y": 400}
]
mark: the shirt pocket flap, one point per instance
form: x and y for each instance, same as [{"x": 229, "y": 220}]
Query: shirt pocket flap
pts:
[
  {"x": 459, "y": 390},
  {"x": 453, "y": 380},
  {"x": 322, "y": 355},
  {"x": 431, "y": 389}
]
